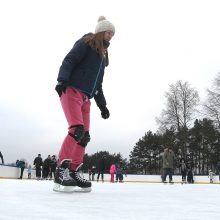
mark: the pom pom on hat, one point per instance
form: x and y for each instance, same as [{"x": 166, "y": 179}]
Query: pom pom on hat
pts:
[
  {"x": 104, "y": 25},
  {"x": 101, "y": 18}
]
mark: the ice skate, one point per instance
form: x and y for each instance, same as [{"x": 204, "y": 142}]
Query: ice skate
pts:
[
  {"x": 62, "y": 181},
  {"x": 83, "y": 184},
  {"x": 183, "y": 181}
]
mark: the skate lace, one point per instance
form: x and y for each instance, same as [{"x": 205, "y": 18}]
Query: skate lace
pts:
[{"x": 79, "y": 176}]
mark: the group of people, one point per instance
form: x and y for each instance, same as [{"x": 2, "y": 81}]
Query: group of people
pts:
[
  {"x": 45, "y": 169},
  {"x": 168, "y": 160},
  {"x": 116, "y": 173},
  {"x": 100, "y": 169}
]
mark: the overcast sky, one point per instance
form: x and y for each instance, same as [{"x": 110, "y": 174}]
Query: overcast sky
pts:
[{"x": 156, "y": 43}]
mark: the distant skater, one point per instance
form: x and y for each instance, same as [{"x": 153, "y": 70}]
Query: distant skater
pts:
[
  {"x": 38, "y": 163},
  {"x": 21, "y": 164},
  {"x": 168, "y": 164},
  {"x": 112, "y": 173},
  {"x": 190, "y": 178},
  {"x": 47, "y": 167},
  {"x": 29, "y": 170},
  {"x": 2, "y": 158},
  {"x": 211, "y": 176},
  {"x": 93, "y": 172},
  {"x": 183, "y": 169},
  {"x": 218, "y": 170},
  {"x": 119, "y": 175},
  {"x": 101, "y": 168},
  {"x": 53, "y": 166}
]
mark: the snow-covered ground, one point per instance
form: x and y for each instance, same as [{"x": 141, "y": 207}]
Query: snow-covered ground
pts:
[{"x": 32, "y": 199}]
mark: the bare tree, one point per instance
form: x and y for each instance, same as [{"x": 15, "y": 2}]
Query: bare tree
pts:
[
  {"x": 212, "y": 103},
  {"x": 181, "y": 104},
  {"x": 182, "y": 101}
]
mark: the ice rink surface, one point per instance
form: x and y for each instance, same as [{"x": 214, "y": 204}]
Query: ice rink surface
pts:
[{"x": 31, "y": 199}]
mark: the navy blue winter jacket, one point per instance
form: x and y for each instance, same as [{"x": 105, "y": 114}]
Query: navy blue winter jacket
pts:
[{"x": 83, "y": 69}]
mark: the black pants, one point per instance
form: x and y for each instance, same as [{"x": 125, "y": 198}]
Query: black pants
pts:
[
  {"x": 119, "y": 177},
  {"x": 102, "y": 175},
  {"x": 183, "y": 173},
  {"x": 52, "y": 172},
  {"x": 46, "y": 171},
  {"x": 22, "y": 171},
  {"x": 168, "y": 171},
  {"x": 38, "y": 172}
]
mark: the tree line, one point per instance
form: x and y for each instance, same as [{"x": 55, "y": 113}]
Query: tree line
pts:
[{"x": 190, "y": 127}]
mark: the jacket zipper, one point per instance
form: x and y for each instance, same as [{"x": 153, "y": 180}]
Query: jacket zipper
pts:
[{"x": 97, "y": 77}]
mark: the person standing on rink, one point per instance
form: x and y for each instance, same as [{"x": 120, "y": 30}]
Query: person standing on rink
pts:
[
  {"x": 29, "y": 171},
  {"x": 218, "y": 170},
  {"x": 46, "y": 167},
  {"x": 168, "y": 164},
  {"x": 53, "y": 166},
  {"x": 112, "y": 173},
  {"x": 211, "y": 176},
  {"x": 190, "y": 175},
  {"x": 21, "y": 164},
  {"x": 79, "y": 80},
  {"x": 1, "y": 156},
  {"x": 38, "y": 163},
  {"x": 101, "y": 168},
  {"x": 183, "y": 169}
]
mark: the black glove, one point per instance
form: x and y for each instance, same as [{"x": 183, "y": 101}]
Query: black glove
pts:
[
  {"x": 60, "y": 88},
  {"x": 104, "y": 112}
]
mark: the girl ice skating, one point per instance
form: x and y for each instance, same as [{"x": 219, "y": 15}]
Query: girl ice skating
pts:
[{"x": 79, "y": 80}]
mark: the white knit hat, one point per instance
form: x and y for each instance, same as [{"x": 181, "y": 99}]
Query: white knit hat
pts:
[{"x": 104, "y": 25}]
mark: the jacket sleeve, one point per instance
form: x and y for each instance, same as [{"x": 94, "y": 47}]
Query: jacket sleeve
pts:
[
  {"x": 75, "y": 56},
  {"x": 99, "y": 97}
]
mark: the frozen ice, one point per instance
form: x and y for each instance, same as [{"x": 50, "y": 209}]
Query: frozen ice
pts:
[{"x": 32, "y": 199}]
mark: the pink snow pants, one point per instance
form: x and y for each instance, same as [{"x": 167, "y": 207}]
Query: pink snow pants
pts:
[
  {"x": 76, "y": 107},
  {"x": 112, "y": 180}
]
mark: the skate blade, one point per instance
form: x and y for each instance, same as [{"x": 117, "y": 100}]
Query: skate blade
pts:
[
  {"x": 83, "y": 190},
  {"x": 63, "y": 189}
]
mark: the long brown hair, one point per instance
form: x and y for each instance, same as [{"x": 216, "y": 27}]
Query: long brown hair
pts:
[{"x": 95, "y": 41}]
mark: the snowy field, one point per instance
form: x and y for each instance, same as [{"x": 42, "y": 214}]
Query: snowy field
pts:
[{"x": 31, "y": 199}]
